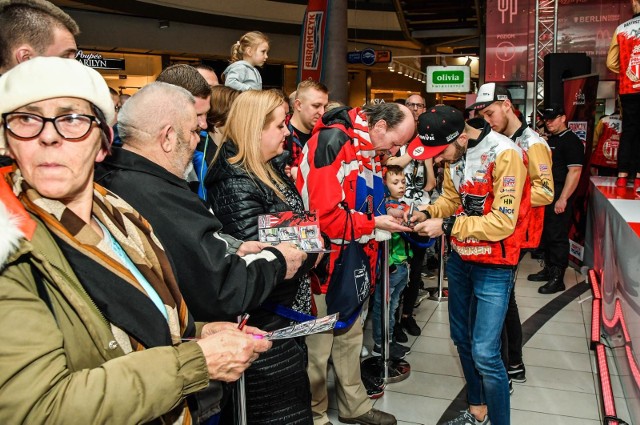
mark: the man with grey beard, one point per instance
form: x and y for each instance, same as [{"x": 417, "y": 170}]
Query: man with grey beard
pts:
[{"x": 219, "y": 276}]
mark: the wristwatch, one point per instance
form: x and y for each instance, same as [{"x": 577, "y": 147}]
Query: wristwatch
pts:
[{"x": 447, "y": 224}]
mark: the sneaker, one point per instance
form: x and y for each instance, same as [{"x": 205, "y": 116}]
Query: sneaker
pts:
[
  {"x": 423, "y": 294},
  {"x": 374, "y": 386},
  {"x": 428, "y": 275},
  {"x": 396, "y": 351},
  {"x": 517, "y": 373},
  {"x": 398, "y": 334},
  {"x": 410, "y": 324},
  {"x": 364, "y": 352},
  {"x": 372, "y": 417},
  {"x": 510, "y": 387},
  {"x": 466, "y": 418},
  {"x": 400, "y": 347}
]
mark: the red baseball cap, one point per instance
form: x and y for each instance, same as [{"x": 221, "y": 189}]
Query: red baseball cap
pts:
[{"x": 437, "y": 128}]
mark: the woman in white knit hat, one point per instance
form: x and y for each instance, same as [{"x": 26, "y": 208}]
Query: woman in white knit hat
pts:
[{"x": 91, "y": 318}]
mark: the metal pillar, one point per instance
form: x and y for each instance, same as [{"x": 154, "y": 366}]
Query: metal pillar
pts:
[
  {"x": 336, "y": 75},
  {"x": 440, "y": 293},
  {"x": 545, "y": 42}
]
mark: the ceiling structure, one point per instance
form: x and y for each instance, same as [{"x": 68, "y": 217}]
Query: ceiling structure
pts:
[
  {"x": 443, "y": 26},
  {"x": 448, "y": 26}
]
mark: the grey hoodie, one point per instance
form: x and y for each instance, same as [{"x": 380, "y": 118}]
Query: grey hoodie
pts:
[{"x": 241, "y": 75}]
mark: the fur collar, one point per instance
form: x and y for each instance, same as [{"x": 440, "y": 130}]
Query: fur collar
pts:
[{"x": 11, "y": 234}]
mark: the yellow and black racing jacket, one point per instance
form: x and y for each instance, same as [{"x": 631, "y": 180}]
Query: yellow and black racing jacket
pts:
[{"x": 488, "y": 190}]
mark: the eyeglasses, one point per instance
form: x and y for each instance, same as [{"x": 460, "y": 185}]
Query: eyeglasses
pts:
[
  {"x": 27, "y": 126},
  {"x": 415, "y": 105}
]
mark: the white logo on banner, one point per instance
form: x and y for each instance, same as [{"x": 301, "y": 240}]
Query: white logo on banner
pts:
[{"x": 509, "y": 7}]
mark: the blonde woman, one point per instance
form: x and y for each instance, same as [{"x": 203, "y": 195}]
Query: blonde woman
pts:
[{"x": 244, "y": 184}]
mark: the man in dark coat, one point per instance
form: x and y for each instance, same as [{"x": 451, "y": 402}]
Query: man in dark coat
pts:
[{"x": 218, "y": 275}]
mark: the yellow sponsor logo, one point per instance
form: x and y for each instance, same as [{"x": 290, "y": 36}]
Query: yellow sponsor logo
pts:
[{"x": 472, "y": 250}]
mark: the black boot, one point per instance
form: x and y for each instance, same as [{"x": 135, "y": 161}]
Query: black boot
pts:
[
  {"x": 555, "y": 283},
  {"x": 542, "y": 276}
]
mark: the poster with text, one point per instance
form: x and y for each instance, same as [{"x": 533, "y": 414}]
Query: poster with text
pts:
[
  {"x": 586, "y": 26},
  {"x": 580, "y": 107}
]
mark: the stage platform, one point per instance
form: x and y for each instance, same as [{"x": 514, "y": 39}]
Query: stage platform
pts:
[{"x": 612, "y": 250}]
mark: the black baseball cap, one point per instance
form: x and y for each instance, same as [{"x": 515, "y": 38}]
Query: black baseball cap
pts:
[
  {"x": 437, "y": 128},
  {"x": 553, "y": 111},
  {"x": 489, "y": 93}
]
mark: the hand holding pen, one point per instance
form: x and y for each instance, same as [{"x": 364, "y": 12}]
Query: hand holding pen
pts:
[
  {"x": 408, "y": 221},
  {"x": 214, "y": 327},
  {"x": 230, "y": 351}
]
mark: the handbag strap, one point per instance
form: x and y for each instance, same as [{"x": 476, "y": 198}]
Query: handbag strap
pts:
[
  {"x": 296, "y": 316},
  {"x": 349, "y": 218}
]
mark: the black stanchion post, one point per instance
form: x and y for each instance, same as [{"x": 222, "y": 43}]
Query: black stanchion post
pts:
[{"x": 440, "y": 293}]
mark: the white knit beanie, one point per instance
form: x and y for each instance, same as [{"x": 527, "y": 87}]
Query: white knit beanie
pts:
[{"x": 43, "y": 78}]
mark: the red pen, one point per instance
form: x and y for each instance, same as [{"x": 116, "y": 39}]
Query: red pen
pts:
[{"x": 243, "y": 321}]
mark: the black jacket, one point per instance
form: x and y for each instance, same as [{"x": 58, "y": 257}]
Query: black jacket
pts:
[
  {"x": 238, "y": 198},
  {"x": 277, "y": 384},
  {"x": 216, "y": 285}
]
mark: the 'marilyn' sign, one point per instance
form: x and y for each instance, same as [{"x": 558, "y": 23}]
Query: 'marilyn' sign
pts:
[{"x": 96, "y": 61}]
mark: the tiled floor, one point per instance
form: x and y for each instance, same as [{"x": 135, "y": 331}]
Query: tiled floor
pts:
[{"x": 561, "y": 385}]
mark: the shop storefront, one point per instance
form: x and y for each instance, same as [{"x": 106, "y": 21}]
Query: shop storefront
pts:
[{"x": 124, "y": 72}]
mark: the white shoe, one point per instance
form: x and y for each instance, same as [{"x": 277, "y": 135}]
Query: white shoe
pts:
[{"x": 364, "y": 352}]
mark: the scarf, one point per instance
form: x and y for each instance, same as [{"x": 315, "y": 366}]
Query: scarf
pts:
[
  {"x": 302, "y": 301},
  {"x": 127, "y": 306},
  {"x": 369, "y": 184}
]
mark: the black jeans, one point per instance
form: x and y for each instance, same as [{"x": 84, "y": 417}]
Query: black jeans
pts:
[
  {"x": 629, "y": 148},
  {"x": 410, "y": 294},
  {"x": 512, "y": 334},
  {"x": 555, "y": 234}
]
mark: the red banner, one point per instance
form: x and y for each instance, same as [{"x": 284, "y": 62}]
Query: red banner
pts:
[
  {"x": 580, "y": 108},
  {"x": 584, "y": 26},
  {"x": 312, "y": 39},
  {"x": 507, "y": 40}
]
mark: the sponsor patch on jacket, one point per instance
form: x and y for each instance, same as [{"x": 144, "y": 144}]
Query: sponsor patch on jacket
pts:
[
  {"x": 507, "y": 211},
  {"x": 546, "y": 187},
  {"x": 472, "y": 250},
  {"x": 509, "y": 181},
  {"x": 507, "y": 200},
  {"x": 479, "y": 176}
]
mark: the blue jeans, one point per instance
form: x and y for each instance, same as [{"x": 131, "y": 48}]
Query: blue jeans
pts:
[
  {"x": 478, "y": 301},
  {"x": 397, "y": 281}
]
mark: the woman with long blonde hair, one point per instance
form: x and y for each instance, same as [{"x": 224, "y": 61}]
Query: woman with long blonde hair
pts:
[{"x": 243, "y": 183}]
